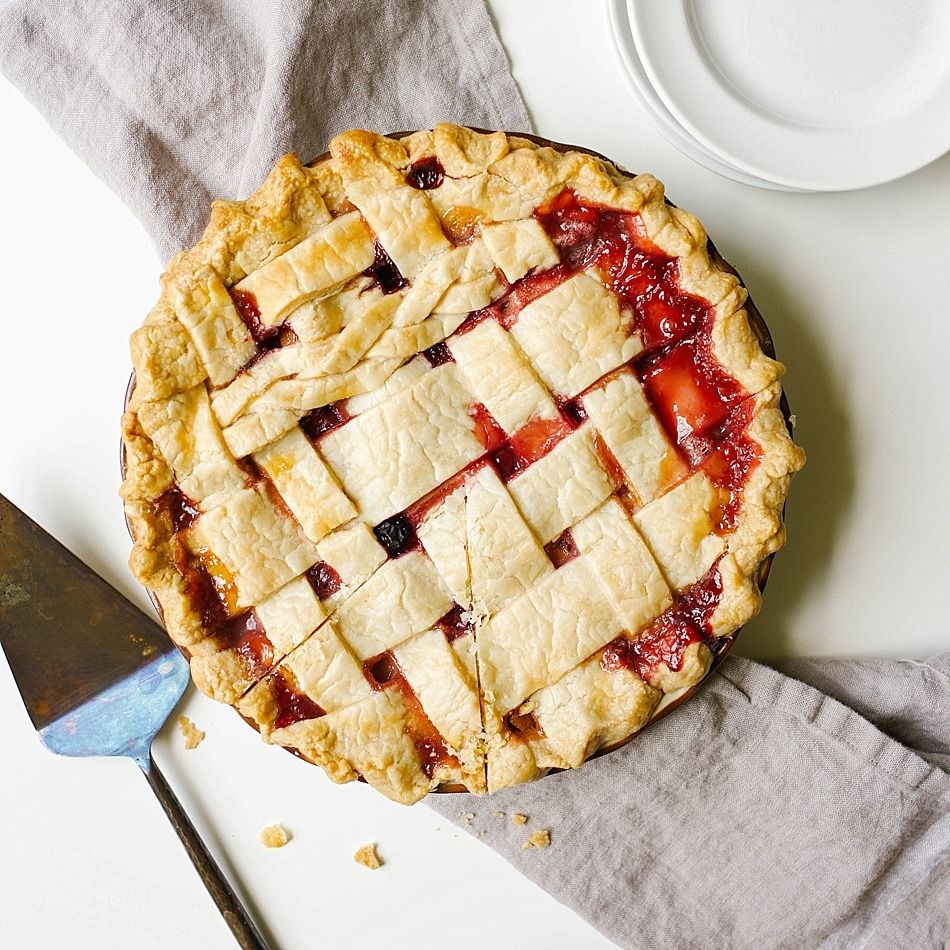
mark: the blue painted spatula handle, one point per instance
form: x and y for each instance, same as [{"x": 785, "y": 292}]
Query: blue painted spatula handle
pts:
[{"x": 233, "y": 911}]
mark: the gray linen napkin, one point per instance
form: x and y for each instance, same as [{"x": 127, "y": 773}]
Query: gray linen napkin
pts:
[
  {"x": 762, "y": 814},
  {"x": 175, "y": 102}
]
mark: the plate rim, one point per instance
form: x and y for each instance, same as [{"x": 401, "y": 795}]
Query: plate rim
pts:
[{"x": 836, "y": 148}]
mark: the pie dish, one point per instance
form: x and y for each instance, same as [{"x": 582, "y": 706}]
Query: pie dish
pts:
[{"x": 452, "y": 458}]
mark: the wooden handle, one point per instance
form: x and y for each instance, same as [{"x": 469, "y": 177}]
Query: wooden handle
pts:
[{"x": 237, "y": 918}]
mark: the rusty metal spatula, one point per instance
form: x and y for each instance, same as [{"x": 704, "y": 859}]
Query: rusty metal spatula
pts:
[{"x": 97, "y": 676}]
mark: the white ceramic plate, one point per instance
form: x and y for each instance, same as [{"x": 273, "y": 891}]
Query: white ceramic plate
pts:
[
  {"x": 667, "y": 125},
  {"x": 824, "y": 95}
]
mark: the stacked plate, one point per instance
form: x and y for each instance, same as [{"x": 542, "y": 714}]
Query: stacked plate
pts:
[{"x": 797, "y": 95}]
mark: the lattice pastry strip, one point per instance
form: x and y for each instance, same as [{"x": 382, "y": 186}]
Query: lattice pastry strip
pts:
[
  {"x": 427, "y": 427},
  {"x": 574, "y": 334},
  {"x": 475, "y": 442}
]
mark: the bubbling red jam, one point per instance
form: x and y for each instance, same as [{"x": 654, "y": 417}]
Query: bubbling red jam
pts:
[
  {"x": 455, "y": 623},
  {"x": 384, "y": 272},
  {"x": 686, "y": 622},
  {"x": 689, "y": 390},
  {"x": 615, "y": 244},
  {"x": 397, "y": 535},
  {"x": 426, "y": 174},
  {"x": 531, "y": 442},
  {"x": 201, "y": 589},
  {"x": 562, "y": 549},
  {"x": 491, "y": 435},
  {"x": 292, "y": 705},
  {"x": 245, "y": 635},
  {"x": 178, "y": 507},
  {"x": 246, "y": 305},
  {"x": 325, "y": 419},
  {"x": 383, "y": 672},
  {"x": 731, "y": 460},
  {"x": 323, "y": 579},
  {"x": 438, "y": 355},
  {"x": 518, "y": 295}
]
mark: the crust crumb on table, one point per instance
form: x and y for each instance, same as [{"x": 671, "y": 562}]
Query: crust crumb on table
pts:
[
  {"x": 193, "y": 735},
  {"x": 467, "y": 817},
  {"x": 520, "y": 819},
  {"x": 368, "y": 857},
  {"x": 538, "y": 839},
  {"x": 498, "y": 814},
  {"x": 274, "y": 836}
]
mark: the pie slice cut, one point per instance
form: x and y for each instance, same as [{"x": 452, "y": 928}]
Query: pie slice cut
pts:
[{"x": 453, "y": 458}]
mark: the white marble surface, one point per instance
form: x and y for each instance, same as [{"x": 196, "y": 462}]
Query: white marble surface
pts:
[{"x": 856, "y": 290}]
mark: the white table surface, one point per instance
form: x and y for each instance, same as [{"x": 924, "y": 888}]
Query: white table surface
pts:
[{"x": 856, "y": 290}]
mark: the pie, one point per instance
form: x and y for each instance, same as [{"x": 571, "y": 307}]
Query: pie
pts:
[{"x": 452, "y": 458}]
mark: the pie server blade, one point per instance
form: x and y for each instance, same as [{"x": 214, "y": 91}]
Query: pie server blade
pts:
[{"x": 97, "y": 676}]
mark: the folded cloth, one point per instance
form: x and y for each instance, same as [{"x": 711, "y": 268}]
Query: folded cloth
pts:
[
  {"x": 762, "y": 814},
  {"x": 175, "y": 102}
]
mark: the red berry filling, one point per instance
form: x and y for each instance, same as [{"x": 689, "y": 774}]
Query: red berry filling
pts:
[
  {"x": 383, "y": 672},
  {"x": 438, "y": 355},
  {"x": 491, "y": 435},
  {"x": 384, "y": 273},
  {"x": 267, "y": 338},
  {"x": 667, "y": 638},
  {"x": 292, "y": 706},
  {"x": 531, "y": 442},
  {"x": 325, "y": 419},
  {"x": 690, "y": 392},
  {"x": 178, "y": 507},
  {"x": 425, "y": 174},
  {"x": 645, "y": 279},
  {"x": 562, "y": 549},
  {"x": 397, "y": 535},
  {"x": 323, "y": 579},
  {"x": 456, "y": 623}
]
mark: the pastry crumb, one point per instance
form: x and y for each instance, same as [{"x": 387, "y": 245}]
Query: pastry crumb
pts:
[
  {"x": 274, "y": 836},
  {"x": 498, "y": 814},
  {"x": 538, "y": 839},
  {"x": 520, "y": 819},
  {"x": 467, "y": 817},
  {"x": 368, "y": 857},
  {"x": 193, "y": 735}
]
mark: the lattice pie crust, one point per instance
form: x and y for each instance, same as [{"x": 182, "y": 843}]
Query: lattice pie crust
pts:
[{"x": 449, "y": 457}]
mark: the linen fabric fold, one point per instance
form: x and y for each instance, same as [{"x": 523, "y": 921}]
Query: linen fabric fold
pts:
[
  {"x": 761, "y": 814},
  {"x": 764, "y": 813},
  {"x": 175, "y": 102}
]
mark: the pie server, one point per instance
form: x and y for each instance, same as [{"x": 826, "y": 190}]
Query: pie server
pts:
[{"x": 96, "y": 675}]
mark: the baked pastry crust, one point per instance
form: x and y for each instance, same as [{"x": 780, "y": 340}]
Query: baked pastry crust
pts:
[{"x": 430, "y": 481}]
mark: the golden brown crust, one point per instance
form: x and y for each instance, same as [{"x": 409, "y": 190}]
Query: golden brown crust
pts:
[{"x": 354, "y": 341}]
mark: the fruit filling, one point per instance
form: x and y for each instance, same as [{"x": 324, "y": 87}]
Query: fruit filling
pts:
[
  {"x": 292, "y": 705},
  {"x": 397, "y": 535},
  {"x": 246, "y": 305},
  {"x": 531, "y": 442},
  {"x": 323, "y": 579},
  {"x": 384, "y": 272},
  {"x": 667, "y": 638},
  {"x": 438, "y": 355},
  {"x": 245, "y": 635},
  {"x": 425, "y": 174},
  {"x": 690, "y": 392},
  {"x": 562, "y": 549},
  {"x": 491, "y": 435},
  {"x": 615, "y": 244},
  {"x": 383, "y": 672},
  {"x": 456, "y": 623},
  {"x": 325, "y": 419},
  {"x": 176, "y": 505}
]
